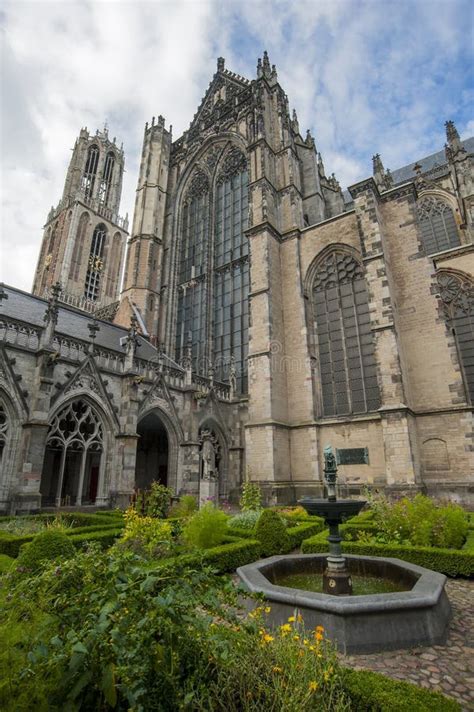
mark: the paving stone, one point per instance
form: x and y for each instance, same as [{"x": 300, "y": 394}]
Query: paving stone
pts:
[{"x": 445, "y": 668}]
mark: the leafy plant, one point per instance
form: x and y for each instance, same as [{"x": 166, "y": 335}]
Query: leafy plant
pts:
[
  {"x": 294, "y": 512},
  {"x": 246, "y": 519},
  {"x": 147, "y": 536},
  {"x": 251, "y": 497},
  {"x": 419, "y": 521},
  {"x": 186, "y": 506},
  {"x": 206, "y": 528},
  {"x": 271, "y": 533},
  {"x": 154, "y": 502},
  {"x": 46, "y": 546}
]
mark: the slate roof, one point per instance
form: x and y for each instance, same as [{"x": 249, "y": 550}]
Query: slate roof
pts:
[
  {"x": 73, "y": 323},
  {"x": 406, "y": 173}
]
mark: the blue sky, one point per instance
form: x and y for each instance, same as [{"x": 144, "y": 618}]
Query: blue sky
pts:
[{"x": 365, "y": 77}]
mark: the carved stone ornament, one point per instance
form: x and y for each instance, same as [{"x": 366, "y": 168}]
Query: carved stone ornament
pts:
[
  {"x": 234, "y": 162},
  {"x": 456, "y": 292},
  {"x": 199, "y": 185},
  {"x": 337, "y": 268}
]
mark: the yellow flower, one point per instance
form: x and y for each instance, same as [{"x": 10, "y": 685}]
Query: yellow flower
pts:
[
  {"x": 267, "y": 638},
  {"x": 313, "y": 685},
  {"x": 299, "y": 618},
  {"x": 326, "y": 676},
  {"x": 296, "y": 637},
  {"x": 276, "y": 668},
  {"x": 285, "y": 628},
  {"x": 306, "y": 642},
  {"x": 319, "y": 629},
  {"x": 291, "y": 619},
  {"x": 268, "y": 609},
  {"x": 311, "y": 647},
  {"x": 319, "y": 637}
]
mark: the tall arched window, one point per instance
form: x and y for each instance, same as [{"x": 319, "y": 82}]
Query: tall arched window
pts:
[
  {"x": 346, "y": 349},
  {"x": 231, "y": 270},
  {"x": 76, "y": 259},
  {"x": 95, "y": 265},
  {"x": 106, "y": 182},
  {"x": 437, "y": 225},
  {"x": 192, "y": 268},
  {"x": 72, "y": 461},
  {"x": 213, "y": 270},
  {"x": 457, "y": 295},
  {"x": 90, "y": 171}
]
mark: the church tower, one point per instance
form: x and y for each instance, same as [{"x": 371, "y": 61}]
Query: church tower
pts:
[{"x": 84, "y": 237}]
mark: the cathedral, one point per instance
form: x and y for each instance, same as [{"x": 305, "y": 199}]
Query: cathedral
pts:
[{"x": 254, "y": 314}]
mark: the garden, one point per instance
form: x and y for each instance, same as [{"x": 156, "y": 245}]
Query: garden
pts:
[{"x": 139, "y": 610}]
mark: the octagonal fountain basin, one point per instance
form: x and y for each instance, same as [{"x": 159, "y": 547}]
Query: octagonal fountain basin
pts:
[{"x": 415, "y": 612}]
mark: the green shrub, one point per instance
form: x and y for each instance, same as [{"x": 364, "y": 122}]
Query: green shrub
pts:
[
  {"x": 372, "y": 692},
  {"x": 154, "y": 502},
  {"x": 297, "y": 534},
  {"x": 186, "y": 506},
  {"x": 46, "y": 546},
  {"x": 103, "y": 537},
  {"x": 6, "y": 562},
  {"x": 271, "y": 533},
  {"x": 147, "y": 536},
  {"x": 246, "y": 519},
  {"x": 251, "y": 497},
  {"x": 206, "y": 528}
]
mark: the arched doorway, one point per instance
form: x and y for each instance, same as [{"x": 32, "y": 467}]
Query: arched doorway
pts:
[
  {"x": 152, "y": 452},
  {"x": 73, "y": 457}
]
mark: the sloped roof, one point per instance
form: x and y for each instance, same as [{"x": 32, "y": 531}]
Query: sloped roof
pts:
[
  {"x": 434, "y": 160},
  {"x": 73, "y": 323}
]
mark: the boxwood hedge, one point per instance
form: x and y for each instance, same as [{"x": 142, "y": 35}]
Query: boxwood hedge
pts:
[
  {"x": 373, "y": 692},
  {"x": 453, "y": 562}
]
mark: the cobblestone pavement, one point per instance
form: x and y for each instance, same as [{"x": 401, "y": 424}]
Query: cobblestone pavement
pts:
[{"x": 446, "y": 668}]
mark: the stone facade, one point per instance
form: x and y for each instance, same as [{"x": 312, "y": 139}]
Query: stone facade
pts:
[{"x": 264, "y": 315}]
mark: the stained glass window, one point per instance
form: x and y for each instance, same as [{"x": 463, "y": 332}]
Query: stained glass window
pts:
[{"x": 437, "y": 224}]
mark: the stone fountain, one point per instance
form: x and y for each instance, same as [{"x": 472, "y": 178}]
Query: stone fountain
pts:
[
  {"x": 336, "y": 577},
  {"x": 416, "y": 613}
]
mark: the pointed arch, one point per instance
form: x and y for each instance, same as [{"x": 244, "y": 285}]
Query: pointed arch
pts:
[
  {"x": 174, "y": 438},
  {"x": 456, "y": 293},
  {"x": 336, "y": 286},
  {"x": 96, "y": 263},
  {"x": 76, "y": 260},
  {"x": 90, "y": 171},
  {"x": 74, "y": 465},
  {"x": 436, "y": 220},
  {"x": 10, "y": 430}
]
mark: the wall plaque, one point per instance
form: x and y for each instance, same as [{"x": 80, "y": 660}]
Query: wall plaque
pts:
[{"x": 352, "y": 456}]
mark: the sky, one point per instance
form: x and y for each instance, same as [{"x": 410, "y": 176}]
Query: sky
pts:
[{"x": 374, "y": 76}]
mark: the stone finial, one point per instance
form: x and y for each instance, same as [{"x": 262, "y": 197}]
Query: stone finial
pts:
[
  {"x": 454, "y": 145},
  {"x": 220, "y": 64},
  {"x": 321, "y": 170},
  {"x": 309, "y": 139},
  {"x": 132, "y": 343},
  {"x": 3, "y": 294},
  {"x": 294, "y": 122},
  {"x": 93, "y": 327},
  {"x": 51, "y": 315},
  {"x": 382, "y": 177},
  {"x": 259, "y": 68},
  {"x": 451, "y": 131},
  {"x": 266, "y": 64}
]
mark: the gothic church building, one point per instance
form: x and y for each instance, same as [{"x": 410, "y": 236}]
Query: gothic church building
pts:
[{"x": 264, "y": 314}]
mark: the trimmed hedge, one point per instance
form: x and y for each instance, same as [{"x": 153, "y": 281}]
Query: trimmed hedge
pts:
[
  {"x": 453, "y": 562},
  {"x": 10, "y": 544},
  {"x": 105, "y": 537},
  {"x": 469, "y": 543},
  {"x": 81, "y": 518},
  {"x": 6, "y": 563},
  {"x": 46, "y": 546},
  {"x": 224, "y": 558},
  {"x": 373, "y": 692},
  {"x": 272, "y": 534},
  {"x": 297, "y": 533}
]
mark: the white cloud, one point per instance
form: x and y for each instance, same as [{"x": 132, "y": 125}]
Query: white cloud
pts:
[{"x": 363, "y": 83}]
